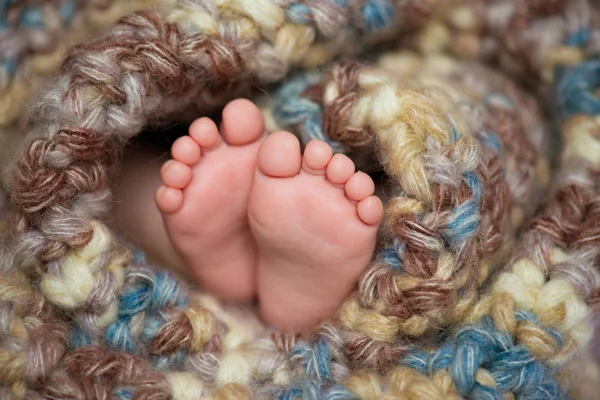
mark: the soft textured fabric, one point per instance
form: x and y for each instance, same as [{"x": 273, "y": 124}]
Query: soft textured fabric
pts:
[
  {"x": 485, "y": 283},
  {"x": 34, "y": 36}
]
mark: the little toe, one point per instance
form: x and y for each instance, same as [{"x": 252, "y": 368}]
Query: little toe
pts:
[
  {"x": 204, "y": 131},
  {"x": 340, "y": 169},
  {"x": 243, "y": 123},
  {"x": 186, "y": 150},
  {"x": 370, "y": 210},
  {"x": 279, "y": 155},
  {"x": 168, "y": 200},
  {"x": 317, "y": 155},
  {"x": 175, "y": 174},
  {"x": 359, "y": 186}
]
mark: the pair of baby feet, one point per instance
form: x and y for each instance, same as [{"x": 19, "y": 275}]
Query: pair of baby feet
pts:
[{"x": 252, "y": 217}]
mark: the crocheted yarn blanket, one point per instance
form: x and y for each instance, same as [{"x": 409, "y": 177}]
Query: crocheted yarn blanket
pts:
[
  {"x": 485, "y": 284},
  {"x": 35, "y": 34}
]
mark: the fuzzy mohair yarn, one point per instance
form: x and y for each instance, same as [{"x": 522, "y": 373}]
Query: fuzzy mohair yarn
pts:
[
  {"x": 487, "y": 274},
  {"x": 34, "y": 36}
]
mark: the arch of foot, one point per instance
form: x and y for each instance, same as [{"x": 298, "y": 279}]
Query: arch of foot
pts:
[{"x": 104, "y": 96}]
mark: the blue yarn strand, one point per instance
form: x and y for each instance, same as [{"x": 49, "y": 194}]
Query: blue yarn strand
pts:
[
  {"x": 576, "y": 89},
  {"x": 513, "y": 367},
  {"x": 379, "y": 15}
]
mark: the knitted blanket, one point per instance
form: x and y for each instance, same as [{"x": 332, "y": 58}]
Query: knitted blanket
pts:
[{"x": 485, "y": 282}]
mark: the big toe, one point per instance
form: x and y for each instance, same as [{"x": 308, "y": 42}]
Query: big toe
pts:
[
  {"x": 279, "y": 155},
  {"x": 243, "y": 123}
]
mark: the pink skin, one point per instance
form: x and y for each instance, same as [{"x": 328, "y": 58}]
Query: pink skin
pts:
[
  {"x": 204, "y": 200},
  {"x": 315, "y": 221},
  {"x": 296, "y": 231}
]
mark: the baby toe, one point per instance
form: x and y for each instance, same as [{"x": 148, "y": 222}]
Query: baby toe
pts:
[
  {"x": 370, "y": 210},
  {"x": 340, "y": 169},
  {"x": 279, "y": 155},
  {"x": 317, "y": 155},
  {"x": 168, "y": 200},
  {"x": 186, "y": 150},
  {"x": 205, "y": 133},
  {"x": 175, "y": 174},
  {"x": 359, "y": 186}
]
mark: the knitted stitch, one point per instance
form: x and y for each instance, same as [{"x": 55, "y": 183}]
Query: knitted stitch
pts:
[{"x": 83, "y": 316}]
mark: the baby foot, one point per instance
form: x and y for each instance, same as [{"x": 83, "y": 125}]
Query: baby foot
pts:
[
  {"x": 315, "y": 222},
  {"x": 204, "y": 200}
]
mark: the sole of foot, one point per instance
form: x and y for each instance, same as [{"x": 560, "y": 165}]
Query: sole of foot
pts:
[
  {"x": 204, "y": 200},
  {"x": 315, "y": 220}
]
